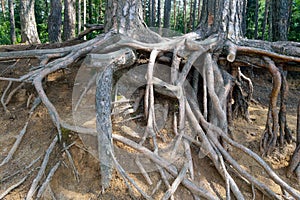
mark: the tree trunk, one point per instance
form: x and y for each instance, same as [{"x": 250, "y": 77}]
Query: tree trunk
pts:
[
  {"x": 174, "y": 16},
  {"x": 167, "y": 13},
  {"x": 54, "y": 21},
  {"x": 219, "y": 16},
  {"x": 13, "y": 38},
  {"x": 280, "y": 19},
  {"x": 29, "y": 32},
  {"x": 153, "y": 13},
  {"x": 266, "y": 14},
  {"x": 194, "y": 15},
  {"x": 3, "y": 7},
  {"x": 125, "y": 16},
  {"x": 158, "y": 24},
  {"x": 79, "y": 17},
  {"x": 256, "y": 19},
  {"x": 90, "y": 12},
  {"x": 69, "y": 20},
  {"x": 184, "y": 16}
]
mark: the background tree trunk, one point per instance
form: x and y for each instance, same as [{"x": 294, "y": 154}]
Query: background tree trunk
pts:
[
  {"x": 280, "y": 19},
  {"x": 256, "y": 19},
  {"x": 13, "y": 38},
  {"x": 54, "y": 21},
  {"x": 79, "y": 16},
  {"x": 28, "y": 23},
  {"x": 69, "y": 20},
  {"x": 3, "y": 8},
  {"x": 158, "y": 24},
  {"x": 167, "y": 13}
]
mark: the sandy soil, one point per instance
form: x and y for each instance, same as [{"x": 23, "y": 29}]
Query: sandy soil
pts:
[{"x": 64, "y": 184}]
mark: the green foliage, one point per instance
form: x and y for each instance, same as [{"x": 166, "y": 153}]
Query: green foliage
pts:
[
  {"x": 294, "y": 32},
  {"x": 42, "y": 8}
]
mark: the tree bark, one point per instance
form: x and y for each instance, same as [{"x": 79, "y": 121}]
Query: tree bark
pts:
[
  {"x": 29, "y": 33},
  {"x": 256, "y": 19},
  {"x": 158, "y": 24},
  {"x": 69, "y": 20},
  {"x": 126, "y": 17},
  {"x": 167, "y": 13},
  {"x": 79, "y": 17},
  {"x": 13, "y": 38},
  {"x": 54, "y": 21},
  {"x": 280, "y": 19}
]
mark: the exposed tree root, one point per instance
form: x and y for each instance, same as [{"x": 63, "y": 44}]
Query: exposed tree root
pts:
[{"x": 208, "y": 119}]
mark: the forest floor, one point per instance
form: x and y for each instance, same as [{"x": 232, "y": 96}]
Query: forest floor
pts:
[{"x": 64, "y": 185}]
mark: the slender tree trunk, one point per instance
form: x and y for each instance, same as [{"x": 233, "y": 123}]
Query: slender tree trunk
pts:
[
  {"x": 29, "y": 33},
  {"x": 79, "y": 17},
  {"x": 256, "y": 19},
  {"x": 99, "y": 20},
  {"x": 266, "y": 14},
  {"x": 3, "y": 7},
  {"x": 90, "y": 12},
  {"x": 280, "y": 19},
  {"x": 191, "y": 15},
  {"x": 167, "y": 13},
  {"x": 194, "y": 14},
  {"x": 150, "y": 13},
  {"x": 84, "y": 16},
  {"x": 153, "y": 13},
  {"x": 158, "y": 14},
  {"x": 13, "y": 38},
  {"x": 270, "y": 21},
  {"x": 69, "y": 19},
  {"x": 199, "y": 11},
  {"x": 184, "y": 16},
  {"x": 54, "y": 21},
  {"x": 174, "y": 7}
]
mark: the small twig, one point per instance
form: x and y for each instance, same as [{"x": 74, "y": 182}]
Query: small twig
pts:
[
  {"x": 125, "y": 176},
  {"x": 75, "y": 172},
  {"x": 253, "y": 191},
  {"x": 13, "y": 92},
  {"x": 176, "y": 182},
  {"x": 29, "y": 100},
  {"x": 86, "y": 89},
  {"x": 16, "y": 145},
  {"x": 156, "y": 187},
  {"x": 143, "y": 171},
  {"x": 3, "y": 96},
  {"x": 13, "y": 186},
  {"x": 37, "y": 179},
  {"x": 47, "y": 181},
  {"x": 20, "y": 171}
]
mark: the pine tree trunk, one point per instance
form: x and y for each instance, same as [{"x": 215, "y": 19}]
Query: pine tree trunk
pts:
[
  {"x": 29, "y": 33},
  {"x": 256, "y": 19},
  {"x": 266, "y": 14},
  {"x": 13, "y": 38},
  {"x": 3, "y": 8},
  {"x": 69, "y": 20},
  {"x": 79, "y": 17},
  {"x": 126, "y": 17},
  {"x": 280, "y": 19},
  {"x": 184, "y": 16},
  {"x": 167, "y": 13},
  {"x": 54, "y": 21},
  {"x": 153, "y": 13},
  {"x": 158, "y": 24}
]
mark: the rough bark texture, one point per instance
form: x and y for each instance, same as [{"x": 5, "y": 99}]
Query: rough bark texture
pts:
[
  {"x": 167, "y": 13},
  {"x": 54, "y": 21},
  {"x": 280, "y": 19},
  {"x": 69, "y": 20},
  {"x": 13, "y": 38},
  {"x": 219, "y": 17},
  {"x": 126, "y": 16},
  {"x": 29, "y": 32}
]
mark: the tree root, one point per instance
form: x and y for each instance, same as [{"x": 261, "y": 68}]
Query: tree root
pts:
[{"x": 209, "y": 120}]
